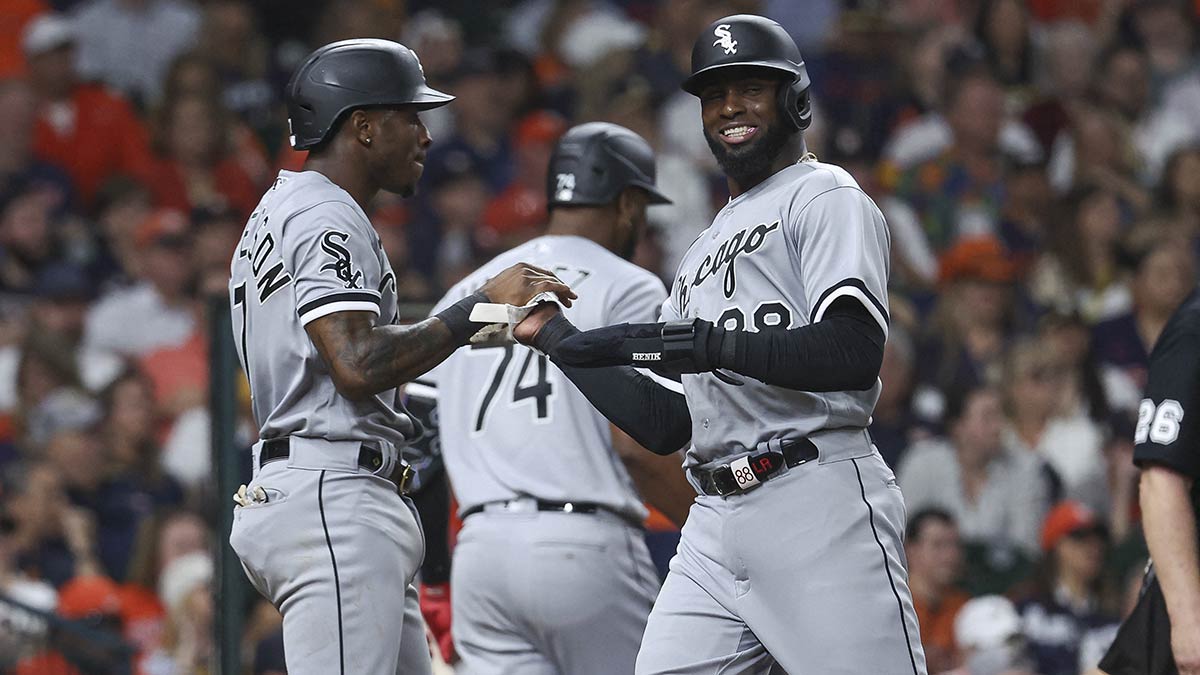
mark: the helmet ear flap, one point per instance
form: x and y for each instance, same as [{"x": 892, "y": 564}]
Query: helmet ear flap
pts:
[{"x": 794, "y": 105}]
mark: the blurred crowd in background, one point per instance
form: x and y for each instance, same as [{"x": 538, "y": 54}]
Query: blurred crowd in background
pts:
[{"x": 1038, "y": 162}]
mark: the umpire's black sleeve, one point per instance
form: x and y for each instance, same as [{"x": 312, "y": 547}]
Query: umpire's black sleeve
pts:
[
  {"x": 1168, "y": 427},
  {"x": 655, "y": 416},
  {"x": 841, "y": 352}
]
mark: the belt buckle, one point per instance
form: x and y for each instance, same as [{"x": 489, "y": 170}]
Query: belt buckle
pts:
[
  {"x": 725, "y": 472},
  {"x": 406, "y": 477}
]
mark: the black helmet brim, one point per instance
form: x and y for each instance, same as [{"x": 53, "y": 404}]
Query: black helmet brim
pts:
[
  {"x": 695, "y": 82},
  {"x": 428, "y": 98}
]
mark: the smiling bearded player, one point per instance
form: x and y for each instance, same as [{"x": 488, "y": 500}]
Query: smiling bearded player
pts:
[{"x": 791, "y": 555}]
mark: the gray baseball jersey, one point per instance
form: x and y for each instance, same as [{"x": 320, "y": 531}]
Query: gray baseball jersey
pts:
[
  {"x": 792, "y": 575},
  {"x": 308, "y": 250},
  {"x": 778, "y": 256},
  {"x": 332, "y": 545},
  {"x": 513, "y": 425}
]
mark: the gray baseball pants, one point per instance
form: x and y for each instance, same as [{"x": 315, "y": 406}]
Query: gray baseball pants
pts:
[
  {"x": 335, "y": 549},
  {"x": 804, "y": 574},
  {"x": 549, "y": 593}
]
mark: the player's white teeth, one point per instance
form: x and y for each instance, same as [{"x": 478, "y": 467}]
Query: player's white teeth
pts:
[{"x": 738, "y": 132}]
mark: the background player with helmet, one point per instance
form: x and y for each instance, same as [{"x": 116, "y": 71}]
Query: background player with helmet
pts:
[
  {"x": 551, "y": 573},
  {"x": 1162, "y": 634},
  {"x": 323, "y": 530},
  {"x": 791, "y": 555}
]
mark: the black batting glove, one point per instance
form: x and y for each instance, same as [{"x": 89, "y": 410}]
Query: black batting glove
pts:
[{"x": 690, "y": 346}]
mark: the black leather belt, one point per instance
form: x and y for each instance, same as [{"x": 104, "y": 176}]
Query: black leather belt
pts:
[
  {"x": 752, "y": 470},
  {"x": 561, "y": 507},
  {"x": 369, "y": 458},
  {"x": 565, "y": 507}
]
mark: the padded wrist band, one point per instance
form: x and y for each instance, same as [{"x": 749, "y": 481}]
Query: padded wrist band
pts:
[{"x": 457, "y": 318}]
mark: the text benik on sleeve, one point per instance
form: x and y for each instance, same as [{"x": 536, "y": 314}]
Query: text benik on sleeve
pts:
[{"x": 335, "y": 261}]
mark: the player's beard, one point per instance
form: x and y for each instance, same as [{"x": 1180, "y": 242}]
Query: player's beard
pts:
[{"x": 750, "y": 162}]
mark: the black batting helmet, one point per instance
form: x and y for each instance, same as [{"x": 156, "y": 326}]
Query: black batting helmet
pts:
[
  {"x": 342, "y": 76},
  {"x": 593, "y": 162},
  {"x": 749, "y": 40}
]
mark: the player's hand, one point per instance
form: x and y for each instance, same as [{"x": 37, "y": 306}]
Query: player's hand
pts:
[
  {"x": 518, "y": 284},
  {"x": 435, "y": 607},
  {"x": 527, "y": 331}
]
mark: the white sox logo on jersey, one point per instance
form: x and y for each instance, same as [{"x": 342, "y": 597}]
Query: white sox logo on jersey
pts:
[
  {"x": 342, "y": 266},
  {"x": 725, "y": 39},
  {"x": 747, "y": 240}
]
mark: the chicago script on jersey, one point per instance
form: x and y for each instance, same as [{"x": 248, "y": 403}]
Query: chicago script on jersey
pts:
[{"x": 747, "y": 240}]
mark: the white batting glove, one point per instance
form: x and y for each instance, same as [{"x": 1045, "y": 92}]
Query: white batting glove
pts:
[
  {"x": 501, "y": 320},
  {"x": 245, "y": 497}
]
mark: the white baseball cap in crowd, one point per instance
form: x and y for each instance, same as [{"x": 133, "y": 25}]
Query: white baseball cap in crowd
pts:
[
  {"x": 986, "y": 621},
  {"x": 47, "y": 32}
]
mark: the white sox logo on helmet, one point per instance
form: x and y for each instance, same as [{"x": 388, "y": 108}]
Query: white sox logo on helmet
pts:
[
  {"x": 564, "y": 187},
  {"x": 725, "y": 39}
]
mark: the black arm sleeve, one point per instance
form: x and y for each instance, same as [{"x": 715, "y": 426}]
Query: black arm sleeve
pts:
[
  {"x": 841, "y": 352},
  {"x": 656, "y": 417}
]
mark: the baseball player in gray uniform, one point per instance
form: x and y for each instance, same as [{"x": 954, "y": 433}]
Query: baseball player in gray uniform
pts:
[
  {"x": 551, "y": 574},
  {"x": 791, "y": 556},
  {"x": 323, "y": 530}
]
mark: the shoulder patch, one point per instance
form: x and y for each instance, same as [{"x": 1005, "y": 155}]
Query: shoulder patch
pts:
[{"x": 342, "y": 264}]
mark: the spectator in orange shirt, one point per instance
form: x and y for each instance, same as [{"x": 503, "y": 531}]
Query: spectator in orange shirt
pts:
[
  {"x": 194, "y": 167},
  {"x": 934, "y": 561},
  {"x": 196, "y": 73},
  {"x": 20, "y": 171},
  {"x": 88, "y": 131}
]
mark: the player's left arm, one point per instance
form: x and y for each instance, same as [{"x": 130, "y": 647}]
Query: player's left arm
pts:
[{"x": 842, "y": 243}]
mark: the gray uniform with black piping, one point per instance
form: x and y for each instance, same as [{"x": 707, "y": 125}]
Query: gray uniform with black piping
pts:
[
  {"x": 803, "y": 571},
  {"x": 551, "y": 574},
  {"x": 537, "y": 586},
  {"x": 329, "y": 541}
]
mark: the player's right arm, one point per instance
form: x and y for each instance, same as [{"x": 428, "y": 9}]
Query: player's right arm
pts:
[
  {"x": 365, "y": 359},
  {"x": 337, "y": 267},
  {"x": 1168, "y": 450}
]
